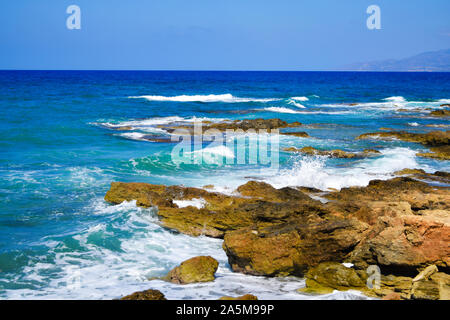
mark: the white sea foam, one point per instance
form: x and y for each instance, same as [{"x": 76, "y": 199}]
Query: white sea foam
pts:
[
  {"x": 228, "y": 98},
  {"x": 300, "y": 98},
  {"x": 395, "y": 99},
  {"x": 138, "y": 136},
  {"x": 295, "y": 103},
  {"x": 198, "y": 203},
  {"x": 279, "y": 110},
  {"x": 312, "y": 171},
  {"x": 413, "y": 124},
  {"x": 144, "y": 250}
]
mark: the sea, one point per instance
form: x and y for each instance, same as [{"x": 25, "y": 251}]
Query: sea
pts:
[{"x": 60, "y": 150}]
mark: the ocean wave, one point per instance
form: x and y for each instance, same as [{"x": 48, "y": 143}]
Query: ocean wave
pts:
[
  {"x": 295, "y": 103},
  {"x": 228, "y": 98},
  {"x": 279, "y": 110},
  {"x": 299, "y": 98},
  {"x": 117, "y": 257},
  {"x": 395, "y": 99},
  {"x": 312, "y": 171}
]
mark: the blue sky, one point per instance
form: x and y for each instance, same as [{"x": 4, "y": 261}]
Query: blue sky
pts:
[{"x": 216, "y": 35}]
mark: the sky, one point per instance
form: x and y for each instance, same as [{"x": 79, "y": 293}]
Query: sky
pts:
[{"x": 216, "y": 35}]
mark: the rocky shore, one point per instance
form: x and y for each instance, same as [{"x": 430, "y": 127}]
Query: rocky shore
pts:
[
  {"x": 389, "y": 240},
  {"x": 401, "y": 225}
]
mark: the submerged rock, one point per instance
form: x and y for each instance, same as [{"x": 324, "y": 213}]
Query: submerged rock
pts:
[
  {"x": 437, "y": 141},
  {"x": 440, "y": 113},
  {"x": 145, "y": 295},
  {"x": 332, "y": 153},
  {"x": 197, "y": 269}
]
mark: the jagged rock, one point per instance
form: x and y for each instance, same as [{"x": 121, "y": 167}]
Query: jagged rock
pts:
[
  {"x": 437, "y": 141},
  {"x": 145, "y": 295},
  {"x": 426, "y": 273},
  {"x": 433, "y": 138},
  {"x": 404, "y": 243},
  {"x": 329, "y": 276},
  {"x": 332, "y": 153},
  {"x": 300, "y": 134},
  {"x": 433, "y": 287},
  {"x": 197, "y": 269},
  {"x": 220, "y": 212},
  {"x": 290, "y": 248},
  {"x": 440, "y": 113},
  {"x": 244, "y": 297}
]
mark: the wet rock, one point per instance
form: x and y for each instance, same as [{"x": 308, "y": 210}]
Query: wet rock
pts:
[
  {"x": 432, "y": 287},
  {"x": 433, "y": 138},
  {"x": 329, "y": 276},
  {"x": 290, "y": 248},
  {"x": 197, "y": 269},
  {"x": 300, "y": 134},
  {"x": 244, "y": 297},
  {"x": 145, "y": 295},
  {"x": 422, "y": 175},
  {"x": 332, "y": 153},
  {"x": 440, "y": 113}
]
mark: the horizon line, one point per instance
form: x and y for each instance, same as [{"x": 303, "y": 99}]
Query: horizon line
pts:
[{"x": 225, "y": 70}]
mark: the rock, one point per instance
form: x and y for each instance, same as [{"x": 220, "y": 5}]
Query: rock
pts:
[
  {"x": 430, "y": 139},
  {"x": 221, "y": 212},
  {"x": 290, "y": 248},
  {"x": 440, "y": 113},
  {"x": 426, "y": 273},
  {"x": 434, "y": 287},
  {"x": 145, "y": 295},
  {"x": 146, "y": 195},
  {"x": 409, "y": 172},
  {"x": 445, "y": 105},
  {"x": 244, "y": 297},
  {"x": 392, "y": 296},
  {"x": 124, "y": 128},
  {"x": 197, "y": 269},
  {"x": 300, "y": 134},
  {"x": 404, "y": 243},
  {"x": 329, "y": 276},
  {"x": 332, "y": 153},
  {"x": 439, "y": 153}
]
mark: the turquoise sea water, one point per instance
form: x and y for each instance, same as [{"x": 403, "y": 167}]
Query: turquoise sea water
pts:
[{"x": 59, "y": 153}]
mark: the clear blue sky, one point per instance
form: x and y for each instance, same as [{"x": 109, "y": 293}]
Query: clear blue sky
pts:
[{"x": 216, "y": 34}]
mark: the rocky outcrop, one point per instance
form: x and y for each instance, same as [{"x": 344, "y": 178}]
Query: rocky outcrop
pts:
[
  {"x": 333, "y": 153},
  {"x": 427, "y": 285},
  {"x": 258, "y": 203},
  {"x": 291, "y": 248},
  {"x": 197, "y": 269},
  {"x": 145, "y": 295},
  {"x": 422, "y": 175},
  {"x": 437, "y": 141},
  {"x": 402, "y": 225},
  {"x": 329, "y": 276},
  {"x": 440, "y": 113}
]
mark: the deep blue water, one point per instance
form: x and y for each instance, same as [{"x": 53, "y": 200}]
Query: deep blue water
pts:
[{"x": 59, "y": 153}]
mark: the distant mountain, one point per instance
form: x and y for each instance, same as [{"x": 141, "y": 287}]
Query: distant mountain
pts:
[{"x": 427, "y": 61}]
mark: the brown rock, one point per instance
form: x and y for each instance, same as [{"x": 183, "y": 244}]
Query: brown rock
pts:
[
  {"x": 289, "y": 249},
  {"x": 145, "y": 295},
  {"x": 197, "y": 269}
]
